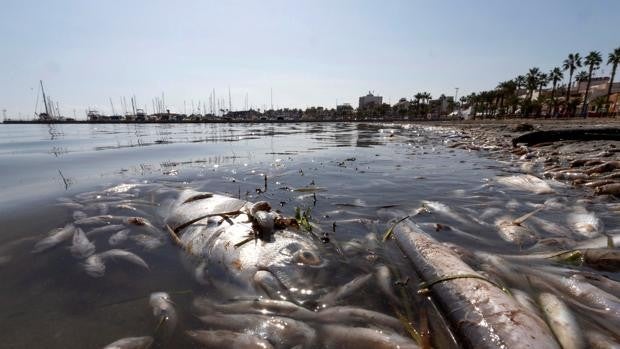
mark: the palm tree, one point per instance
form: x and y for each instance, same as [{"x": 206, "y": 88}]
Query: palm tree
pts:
[
  {"x": 593, "y": 61},
  {"x": 473, "y": 103},
  {"x": 531, "y": 80},
  {"x": 571, "y": 63},
  {"x": 426, "y": 97},
  {"x": 418, "y": 97},
  {"x": 613, "y": 59},
  {"x": 505, "y": 88},
  {"x": 520, "y": 81},
  {"x": 543, "y": 80},
  {"x": 555, "y": 76},
  {"x": 581, "y": 76}
]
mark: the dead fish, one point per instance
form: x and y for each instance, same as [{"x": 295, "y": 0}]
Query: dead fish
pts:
[
  {"x": 227, "y": 339},
  {"x": 255, "y": 306},
  {"x": 77, "y": 215},
  {"x": 482, "y": 306},
  {"x": 345, "y": 290},
  {"x": 119, "y": 237},
  {"x": 342, "y": 337},
  {"x": 610, "y": 240},
  {"x": 105, "y": 229},
  {"x": 610, "y": 189},
  {"x": 525, "y": 300},
  {"x": 55, "y": 237},
  {"x": 98, "y": 220},
  {"x": 81, "y": 247},
  {"x": 526, "y": 182},
  {"x": 131, "y": 343},
  {"x": 490, "y": 212},
  {"x": 613, "y": 175},
  {"x": 597, "y": 340},
  {"x": 146, "y": 241},
  {"x": 527, "y": 167},
  {"x": 604, "y": 307},
  {"x": 550, "y": 227},
  {"x": 607, "y": 259},
  {"x": 606, "y": 284},
  {"x": 163, "y": 310},
  {"x": 383, "y": 277},
  {"x": 604, "y": 167},
  {"x": 282, "y": 332},
  {"x": 95, "y": 264},
  {"x": 447, "y": 229},
  {"x": 598, "y": 183},
  {"x": 585, "y": 223},
  {"x": 70, "y": 205},
  {"x": 356, "y": 316},
  {"x": 562, "y": 322},
  {"x": 443, "y": 209},
  {"x": 513, "y": 230}
]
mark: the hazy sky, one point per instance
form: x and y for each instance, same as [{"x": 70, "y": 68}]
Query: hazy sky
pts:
[{"x": 309, "y": 52}]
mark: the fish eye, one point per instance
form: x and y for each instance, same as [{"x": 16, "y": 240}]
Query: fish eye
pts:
[{"x": 307, "y": 257}]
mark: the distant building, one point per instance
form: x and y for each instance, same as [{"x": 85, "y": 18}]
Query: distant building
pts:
[
  {"x": 370, "y": 100},
  {"x": 344, "y": 110},
  {"x": 402, "y": 105}
]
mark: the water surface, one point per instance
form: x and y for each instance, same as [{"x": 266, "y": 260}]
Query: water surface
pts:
[{"x": 376, "y": 172}]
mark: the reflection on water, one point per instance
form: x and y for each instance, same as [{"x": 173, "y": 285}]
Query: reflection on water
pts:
[{"x": 350, "y": 179}]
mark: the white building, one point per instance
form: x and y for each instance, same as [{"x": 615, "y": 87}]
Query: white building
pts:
[{"x": 370, "y": 100}]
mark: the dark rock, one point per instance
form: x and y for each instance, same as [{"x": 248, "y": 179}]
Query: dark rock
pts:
[{"x": 524, "y": 128}]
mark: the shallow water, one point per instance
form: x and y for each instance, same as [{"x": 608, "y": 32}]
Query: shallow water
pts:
[{"x": 370, "y": 171}]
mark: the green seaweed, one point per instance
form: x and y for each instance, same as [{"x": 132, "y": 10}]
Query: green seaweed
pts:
[{"x": 389, "y": 232}]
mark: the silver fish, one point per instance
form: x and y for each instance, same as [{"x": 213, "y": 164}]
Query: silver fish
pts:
[
  {"x": 95, "y": 264},
  {"x": 131, "y": 343},
  {"x": 562, "y": 322},
  {"x": 282, "y": 332},
  {"x": 147, "y": 241},
  {"x": 445, "y": 210},
  {"x": 515, "y": 233},
  {"x": 55, "y": 237},
  {"x": 105, "y": 229},
  {"x": 81, "y": 247},
  {"x": 483, "y": 314},
  {"x": 227, "y": 339},
  {"x": 164, "y": 311},
  {"x": 228, "y": 247},
  {"x": 383, "y": 277},
  {"x": 597, "y": 340},
  {"x": 525, "y": 300},
  {"x": 345, "y": 290},
  {"x": 119, "y": 237},
  {"x": 585, "y": 223},
  {"x": 257, "y": 306},
  {"x": 526, "y": 182},
  {"x": 356, "y": 316},
  {"x": 342, "y": 337}
]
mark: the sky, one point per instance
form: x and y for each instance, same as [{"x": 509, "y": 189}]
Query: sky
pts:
[{"x": 308, "y": 53}]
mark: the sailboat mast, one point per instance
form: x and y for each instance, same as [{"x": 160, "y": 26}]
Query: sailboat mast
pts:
[
  {"x": 44, "y": 99},
  {"x": 112, "y": 105}
]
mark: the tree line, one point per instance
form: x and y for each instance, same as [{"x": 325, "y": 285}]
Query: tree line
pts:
[{"x": 515, "y": 96}]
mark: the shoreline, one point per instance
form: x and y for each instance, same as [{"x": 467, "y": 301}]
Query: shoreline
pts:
[
  {"x": 451, "y": 122},
  {"x": 591, "y": 165}
]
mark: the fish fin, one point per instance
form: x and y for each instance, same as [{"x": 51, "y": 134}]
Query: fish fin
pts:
[{"x": 523, "y": 218}]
